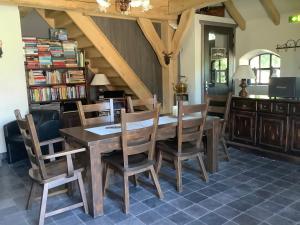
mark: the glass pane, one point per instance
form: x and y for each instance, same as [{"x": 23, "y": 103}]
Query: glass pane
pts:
[
  {"x": 264, "y": 76},
  {"x": 223, "y": 77},
  {"x": 257, "y": 74},
  {"x": 276, "y": 73},
  {"x": 215, "y": 65},
  {"x": 275, "y": 61},
  {"x": 265, "y": 61},
  {"x": 254, "y": 63},
  {"x": 223, "y": 64}
]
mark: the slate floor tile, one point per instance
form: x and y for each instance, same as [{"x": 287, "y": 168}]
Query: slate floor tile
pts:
[
  {"x": 210, "y": 204},
  {"x": 290, "y": 213},
  {"x": 271, "y": 206},
  {"x": 245, "y": 219},
  {"x": 213, "y": 219},
  {"x": 278, "y": 220},
  {"x": 149, "y": 217},
  {"x": 259, "y": 213},
  {"x": 166, "y": 210},
  {"x": 227, "y": 212},
  {"x": 196, "y": 211},
  {"x": 180, "y": 218},
  {"x": 181, "y": 203},
  {"x": 240, "y": 205}
]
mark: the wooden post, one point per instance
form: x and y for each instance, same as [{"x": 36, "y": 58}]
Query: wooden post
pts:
[{"x": 169, "y": 72}]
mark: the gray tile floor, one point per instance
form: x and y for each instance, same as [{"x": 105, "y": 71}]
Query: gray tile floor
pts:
[{"x": 248, "y": 190}]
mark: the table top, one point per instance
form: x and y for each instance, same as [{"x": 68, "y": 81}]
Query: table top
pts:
[{"x": 87, "y": 138}]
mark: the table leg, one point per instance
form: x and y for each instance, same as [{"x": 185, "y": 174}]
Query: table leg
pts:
[
  {"x": 94, "y": 178},
  {"x": 212, "y": 147}
]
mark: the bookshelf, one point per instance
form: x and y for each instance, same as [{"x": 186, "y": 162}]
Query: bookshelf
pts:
[{"x": 55, "y": 71}]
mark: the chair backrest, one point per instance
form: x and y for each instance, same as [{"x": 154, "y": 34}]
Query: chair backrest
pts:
[
  {"x": 94, "y": 114},
  {"x": 219, "y": 105},
  {"x": 139, "y": 132},
  {"x": 150, "y": 103},
  {"x": 31, "y": 141},
  {"x": 191, "y": 121}
]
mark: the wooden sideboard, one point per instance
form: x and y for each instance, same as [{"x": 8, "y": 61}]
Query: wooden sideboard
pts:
[{"x": 266, "y": 124}]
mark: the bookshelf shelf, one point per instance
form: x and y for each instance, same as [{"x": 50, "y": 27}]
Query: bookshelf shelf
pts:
[{"x": 55, "y": 71}]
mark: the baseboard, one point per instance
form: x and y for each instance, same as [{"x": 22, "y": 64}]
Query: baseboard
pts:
[{"x": 3, "y": 156}]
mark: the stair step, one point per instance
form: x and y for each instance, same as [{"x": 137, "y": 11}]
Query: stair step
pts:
[
  {"x": 92, "y": 52},
  {"x": 99, "y": 62},
  {"x": 83, "y": 42},
  {"x": 53, "y": 13},
  {"x": 62, "y": 20},
  {"x": 73, "y": 31}
]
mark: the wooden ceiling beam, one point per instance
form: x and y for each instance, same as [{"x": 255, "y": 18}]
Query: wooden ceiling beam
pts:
[
  {"x": 271, "y": 10},
  {"x": 24, "y": 11},
  {"x": 151, "y": 35},
  {"x": 235, "y": 14},
  {"x": 49, "y": 21},
  {"x": 178, "y": 6},
  {"x": 183, "y": 27},
  {"x": 90, "y": 7}
]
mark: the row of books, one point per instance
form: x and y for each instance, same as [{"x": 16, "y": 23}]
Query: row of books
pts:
[
  {"x": 47, "y": 53},
  {"x": 40, "y": 77},
  {"x": 57, "y": 93}
]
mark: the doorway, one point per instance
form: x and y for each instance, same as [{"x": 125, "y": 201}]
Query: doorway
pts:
[{"x": 218, "y": 59}]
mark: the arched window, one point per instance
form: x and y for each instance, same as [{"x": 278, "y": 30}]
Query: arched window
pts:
[{"x": 265, "y": 65}]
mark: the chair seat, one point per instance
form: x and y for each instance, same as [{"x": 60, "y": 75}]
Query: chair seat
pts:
[
  {"x": 135, "y": 162},
  {"x": 170, "y": 146},
  {"x": 55, "y": 170}
]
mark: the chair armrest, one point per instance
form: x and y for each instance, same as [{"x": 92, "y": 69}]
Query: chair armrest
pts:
[
  {"x": 52, "y": 141},
  {"x": 11, "y": 129},
  {"x": 63, "y": 153}
]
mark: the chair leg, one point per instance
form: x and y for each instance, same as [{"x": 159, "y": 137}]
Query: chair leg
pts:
[
  {"x": 156, "y": 183},
  {"x": 107, "y": 173},
  {"x": 126, "y": 194},
  {"x": 178, "y": 167},
  {"x": 135, "y": 180},
  {"x": 31, "y": 192},
  {"x": 82, "y": 193},
  {"x": 158, "y": 163},
  {"x": 225, "y": 148},
  {"x": 43, "y": 204},
  {"x": 202, "y": 167}
]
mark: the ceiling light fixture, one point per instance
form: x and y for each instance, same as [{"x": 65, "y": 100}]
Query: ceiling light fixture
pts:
[{"x": 125, "y": 5}]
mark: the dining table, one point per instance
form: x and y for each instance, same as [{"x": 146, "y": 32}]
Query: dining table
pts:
[{"x": 102, "y": 139}]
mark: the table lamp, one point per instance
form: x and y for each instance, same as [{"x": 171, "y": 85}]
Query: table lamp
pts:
[
  {"x": 243, "y": 73},
  {"x": 100, "y": 80}
]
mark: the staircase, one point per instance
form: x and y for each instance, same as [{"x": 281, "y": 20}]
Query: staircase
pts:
[{"x": 97, "y": 63}]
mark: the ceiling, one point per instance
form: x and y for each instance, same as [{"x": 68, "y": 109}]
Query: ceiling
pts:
[{"x": 252, "y": 9}]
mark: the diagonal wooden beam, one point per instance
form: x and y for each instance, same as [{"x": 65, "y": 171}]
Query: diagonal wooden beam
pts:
[
  {"x": 90, "y": 29},
  {"x": 235, "y": 14},
  {"x": 183, "y": 27},
  {"x": 271, "y": 10},
  {"x": 24, "y": 11},
  {"x": 178, "y": 6},
  {"x": 150, "y": 33}
]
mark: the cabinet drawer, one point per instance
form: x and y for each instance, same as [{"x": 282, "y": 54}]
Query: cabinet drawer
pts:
[
  {"x": 264, "y": 106},
  {"x": 281, "y": 107},
  {"x": 244, "y": 104},
  {"x": 295, "y": 108}
]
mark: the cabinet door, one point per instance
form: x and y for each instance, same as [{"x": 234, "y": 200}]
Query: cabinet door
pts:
[
  {"x": 295, "y": 134},
  {"x": 243, "y": 126},
  {"x": 272, "y": 132}
]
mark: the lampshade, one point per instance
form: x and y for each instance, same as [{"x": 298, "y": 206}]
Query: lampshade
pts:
[
  {"x": 244, "y": 72},
  {"x": 100, "y": 79}
]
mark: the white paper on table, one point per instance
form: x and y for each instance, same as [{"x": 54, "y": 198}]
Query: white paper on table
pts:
[{"x": 116, "y": 128}]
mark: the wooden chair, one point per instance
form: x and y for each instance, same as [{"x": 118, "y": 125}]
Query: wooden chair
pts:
[
  {"x": 98, "y": 109},
  {"x": 220, "y": 105},
  {"x": 135, "y": 143},
  {"x": 151, "y": 103},
  {"x": 52, "y": 174},
  {"x": 187, "y": 145}
]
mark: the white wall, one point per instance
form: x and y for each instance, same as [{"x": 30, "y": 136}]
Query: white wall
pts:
[
  {"x": 13, "y": 93},
  {"x": 190, "y": 61},
  {"x": 261, "y": 33}
]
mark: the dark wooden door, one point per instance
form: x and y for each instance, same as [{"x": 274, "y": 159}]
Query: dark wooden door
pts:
[
  {"x": 272, "y": 132},
  {"x": 218, "y": 59},
  {"x": 295, "y": 134},
  {"x": 243, "y": 125}
]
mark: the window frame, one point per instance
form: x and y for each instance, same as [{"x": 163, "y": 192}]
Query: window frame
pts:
[{"x": 270, "y": 68}]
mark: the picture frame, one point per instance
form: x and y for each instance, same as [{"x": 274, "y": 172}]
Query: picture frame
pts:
[
  {"x": 58, "y": 34},
  {"x": 218, "y": 53}
]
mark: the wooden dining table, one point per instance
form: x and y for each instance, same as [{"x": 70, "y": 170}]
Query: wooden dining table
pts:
[{"x": 97, "y": 145}]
